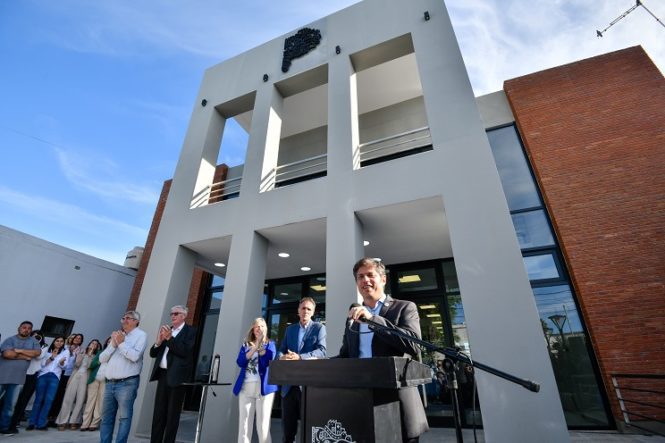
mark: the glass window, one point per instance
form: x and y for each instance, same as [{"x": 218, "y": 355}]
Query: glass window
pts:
[
  {"x": 541, "y": 267},
  {"x": 532, "y": 229},
  {"x": 317, "y": 289},
  {"x": 207, "y": 346},
  {"x": 216, "y": 298},
  {"x": 422, "y": 279},
  {"x": 286, "y": 292},
  {"x": 567, "y": 345},
  {"x": 217, "y": 281},
  {"x": 450, "y": 277},
  {"x": 518, "y": 184}
]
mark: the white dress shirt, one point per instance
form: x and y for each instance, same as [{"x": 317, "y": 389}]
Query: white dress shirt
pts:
[
  {"x": 174, "y": 333},
  {"x": 127, "y": 359}
]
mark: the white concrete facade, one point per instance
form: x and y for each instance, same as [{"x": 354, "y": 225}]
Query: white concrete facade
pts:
[
  {"x": 41, "y": 279},
  {"x": 452, "y": 191}
]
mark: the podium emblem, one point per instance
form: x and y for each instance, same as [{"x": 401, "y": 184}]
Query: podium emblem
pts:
[{"x": 332, "y": 432}]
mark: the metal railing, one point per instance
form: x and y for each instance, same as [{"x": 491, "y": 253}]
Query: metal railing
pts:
[
  {"x": 641, "y": 396},
  {"x": 301, "y": 168},
  {"x": 396, "y": 144},
  {"x": 215, "y": 192}
]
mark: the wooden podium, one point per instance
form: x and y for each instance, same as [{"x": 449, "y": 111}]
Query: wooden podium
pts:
[{"x": 350, "y": 399}]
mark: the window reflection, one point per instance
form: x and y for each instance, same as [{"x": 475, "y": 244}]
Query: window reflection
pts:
[
  {"x": 532, "y": 229},
  {"x": 287, "y": 292},
  {"x": 541, "y": 267},
  {"x": 513, "y": 169},
  {"x": 567, "y": 346},
  {"x": 416, "y": 280}
]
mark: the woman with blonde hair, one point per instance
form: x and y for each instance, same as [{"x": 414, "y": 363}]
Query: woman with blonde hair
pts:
[{"x": 252, "y": 388}]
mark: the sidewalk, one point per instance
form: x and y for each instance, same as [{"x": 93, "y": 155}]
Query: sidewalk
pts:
[{"x": 188, "y": 429}]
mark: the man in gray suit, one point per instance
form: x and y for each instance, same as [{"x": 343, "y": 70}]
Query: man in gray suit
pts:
[{"x": 370, "y": 275}]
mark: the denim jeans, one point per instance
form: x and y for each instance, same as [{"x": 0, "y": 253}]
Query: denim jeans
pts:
[
  {"x": 118, "y": 399},
  {"x": 47, "y": 387},
  {"x": 8, "y": 395}
]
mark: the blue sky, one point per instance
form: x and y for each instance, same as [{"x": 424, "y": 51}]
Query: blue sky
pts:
[{"x": 96, "y": 96}]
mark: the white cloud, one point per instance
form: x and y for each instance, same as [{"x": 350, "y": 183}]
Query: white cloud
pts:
[
  {"x": 101, "y": 176},
  {"x": 74, "y": 218},
  {"x": 504, "y": 39}
]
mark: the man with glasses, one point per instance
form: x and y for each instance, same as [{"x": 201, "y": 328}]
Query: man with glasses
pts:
[
  {"x": 173, "y": 352},
  {"x": 361, "y": 341},
  {"x": 15, "y": 355},
  {"x": 124, "y": 360}
]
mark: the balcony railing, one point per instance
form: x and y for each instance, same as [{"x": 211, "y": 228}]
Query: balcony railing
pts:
[
  {"x": 216, "y": 192},
  {"x": 396, "y": 146},
  {"x": 301, "y": 170},
  {"x": 642, "y": 401}
]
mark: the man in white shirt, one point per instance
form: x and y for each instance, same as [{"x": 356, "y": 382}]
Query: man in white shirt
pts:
[
  {"x": 173, "y": 352},
  {"x": 124, "y": 360}
]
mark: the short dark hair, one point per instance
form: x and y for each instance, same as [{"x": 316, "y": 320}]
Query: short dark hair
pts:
[
  {"x": 368, "y": 261},
  {"x": 26, "y": 322}
]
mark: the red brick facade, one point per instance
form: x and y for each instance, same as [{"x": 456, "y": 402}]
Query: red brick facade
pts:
[{"x": 594, "y": 131}]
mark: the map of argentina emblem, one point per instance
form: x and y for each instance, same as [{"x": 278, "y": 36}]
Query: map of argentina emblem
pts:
[
  {"x": 299, "y": 44},
  {"x": 332, "y": 432}
]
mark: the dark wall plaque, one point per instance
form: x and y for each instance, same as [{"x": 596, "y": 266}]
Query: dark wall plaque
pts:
[{"x": 299, "y": 44}]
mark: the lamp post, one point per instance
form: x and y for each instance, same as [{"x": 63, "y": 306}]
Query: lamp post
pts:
[{"x": 559, "y": 320}]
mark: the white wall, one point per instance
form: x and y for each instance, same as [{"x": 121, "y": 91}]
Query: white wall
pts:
[{"x": 38, "y": 278}]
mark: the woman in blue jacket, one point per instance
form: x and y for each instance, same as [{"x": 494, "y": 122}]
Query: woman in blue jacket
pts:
[{"x": 252, "y": 388}]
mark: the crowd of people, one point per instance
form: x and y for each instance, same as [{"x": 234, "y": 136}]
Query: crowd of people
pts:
[
  {"x": 91, "y": 388},
  {"x": 65, "y": 378}
]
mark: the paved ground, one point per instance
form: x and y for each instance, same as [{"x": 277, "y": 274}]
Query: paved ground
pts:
[{"x": 188, "y": 428}]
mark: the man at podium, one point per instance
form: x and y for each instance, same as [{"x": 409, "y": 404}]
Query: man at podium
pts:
[{"x": 360, "y": 341}]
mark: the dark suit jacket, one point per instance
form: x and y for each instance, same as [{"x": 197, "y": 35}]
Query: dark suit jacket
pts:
[
  {"x": 179, "y": 360},
  {"x": 403, "y": 316},
  {"x": 313, "y": 344}
]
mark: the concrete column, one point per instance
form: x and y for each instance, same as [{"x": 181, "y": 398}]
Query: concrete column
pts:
[
  {"x": 166, "y": 284},
  {"x": 198, "y": 159},
  {"x": 263, "y": 143},
  {"x": 343, "y": 136},
  {"x": 487, "y": 256},
  {"x": 344, "y": 246},
  {"x": 241, "y": 304}
]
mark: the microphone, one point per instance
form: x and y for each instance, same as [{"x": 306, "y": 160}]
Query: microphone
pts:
[{"x": 349, "y": 323}]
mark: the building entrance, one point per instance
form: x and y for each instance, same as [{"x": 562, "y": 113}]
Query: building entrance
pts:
[{"x": 432, "y": 286}]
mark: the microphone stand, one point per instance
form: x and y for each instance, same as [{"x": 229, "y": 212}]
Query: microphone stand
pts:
[{"x": 454, "y": 356}]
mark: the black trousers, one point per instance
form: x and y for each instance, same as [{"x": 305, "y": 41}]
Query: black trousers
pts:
[
  {"x": 166, "y": 415},
  {"x": 290, "y": 414}
]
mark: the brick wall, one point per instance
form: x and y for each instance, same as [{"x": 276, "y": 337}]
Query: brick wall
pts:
[{"x": 594, "y": 131}]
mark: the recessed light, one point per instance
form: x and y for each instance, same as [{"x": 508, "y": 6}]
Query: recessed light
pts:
[
  {"x": 220, "y": 264},
  {"x": 305, "y": 268},
  {"x": 284, "y": 254},
  {"x": 365, "y": 243}
]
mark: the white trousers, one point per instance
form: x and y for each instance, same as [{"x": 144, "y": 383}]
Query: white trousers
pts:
[
  {"x": 72, "y": 404},
  {"x": 250, "y": 401}
]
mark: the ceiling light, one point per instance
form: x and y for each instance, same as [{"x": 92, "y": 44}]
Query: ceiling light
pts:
[
  {"x": 305, "y": 268},
  {"x": 434, "y": 315},
  {"x": 365, "y": 243},
  {"x": 377, "y": 258},
  {"x": 284, "y": 254},
  {"x": 427, "y": 306},
  {"x": 283, "y": 293},
  {"x": 318, "y": 288},
  {"x": 409, "y": 279},
  {"x": 437, "y": 322},
  {"x": 220, "y": 264}
]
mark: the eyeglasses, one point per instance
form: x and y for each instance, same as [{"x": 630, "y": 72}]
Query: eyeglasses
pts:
[
  {"x": 127, "y": 318},
  {"x": 177, "y": 313}
]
